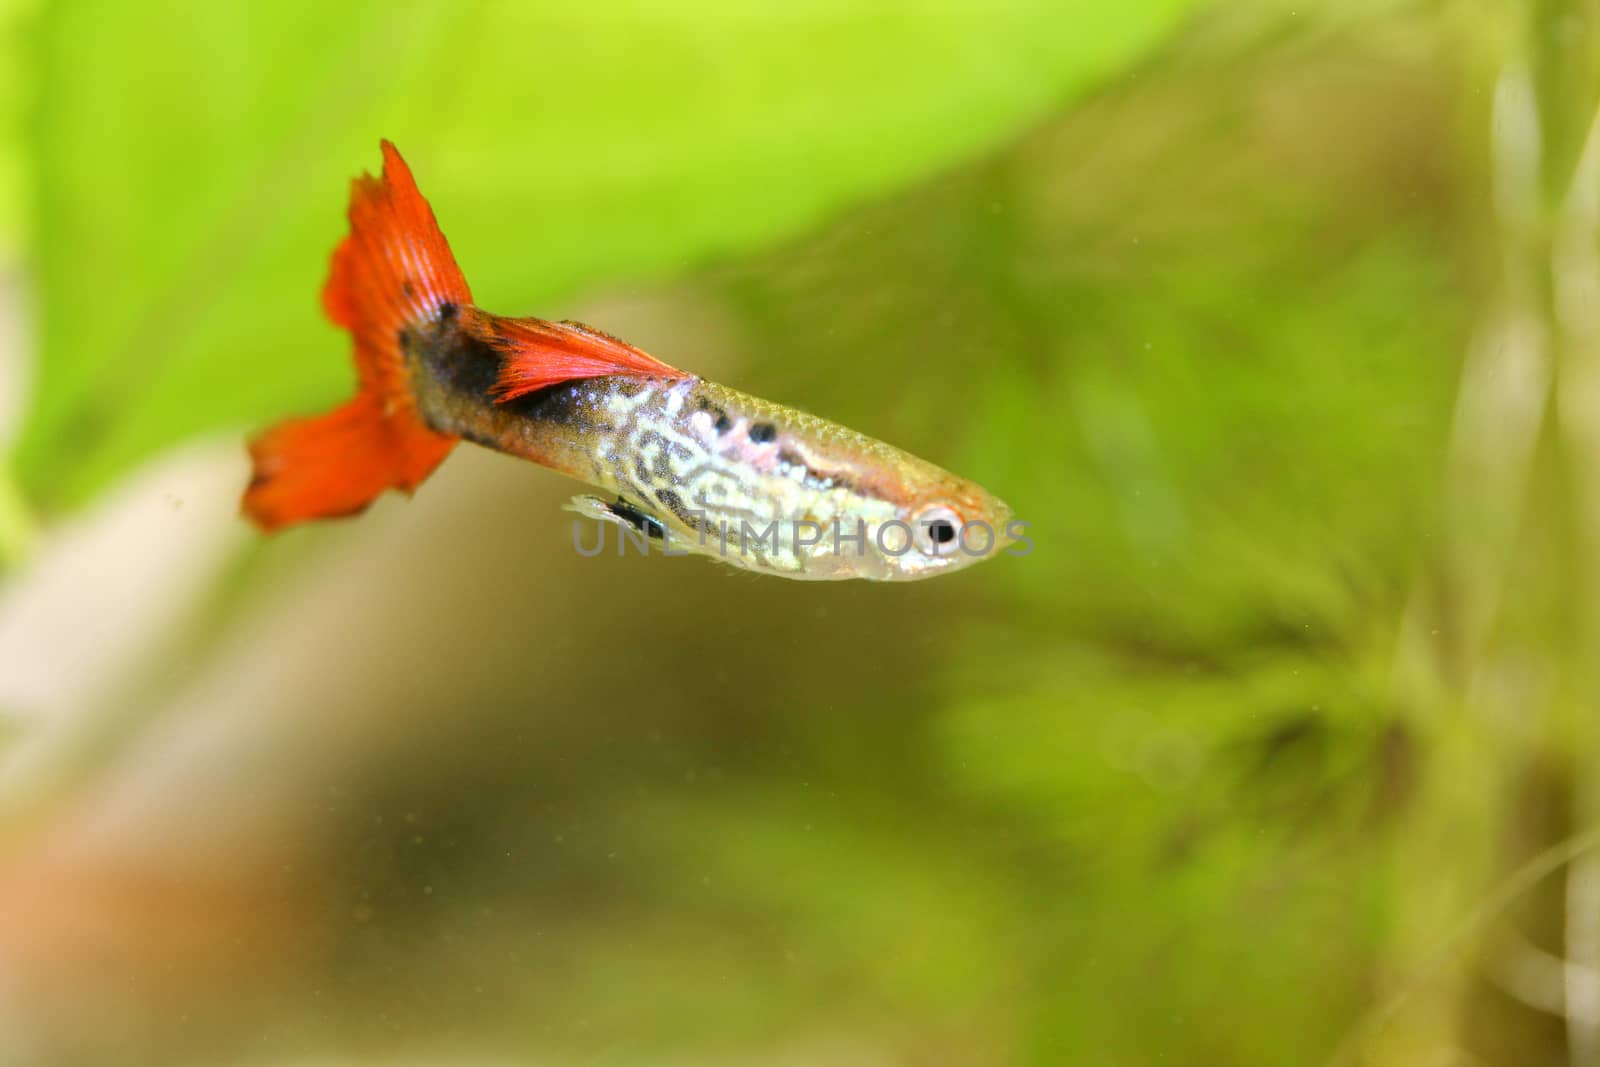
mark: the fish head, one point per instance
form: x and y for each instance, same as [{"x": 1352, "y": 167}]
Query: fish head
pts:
[{"x": 944, "y": 523}]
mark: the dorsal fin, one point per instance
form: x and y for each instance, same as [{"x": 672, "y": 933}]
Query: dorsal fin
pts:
[{"x": 536, "y": 353}]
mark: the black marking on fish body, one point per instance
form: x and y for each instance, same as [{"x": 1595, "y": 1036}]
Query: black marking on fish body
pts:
[
  {"x": 562, "y": 404},
  {"x": 763, "y": 432},
  {"x": 467, "y": 368},
  {"x": 719, "y": 415},
  {"x": 460, "y": 363},
  {"x": 653, "y": 465},
  {"x": 642, "y": 521},
  {"x": 674, "y": 503}
]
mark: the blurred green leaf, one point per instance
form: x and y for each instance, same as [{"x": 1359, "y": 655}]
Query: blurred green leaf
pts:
[
  {"x": 13, "y": 90},
  {"x": 190, "y": 181}
]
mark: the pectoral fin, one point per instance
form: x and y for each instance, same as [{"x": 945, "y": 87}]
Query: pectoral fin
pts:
[{"x": 620, "y": 512}]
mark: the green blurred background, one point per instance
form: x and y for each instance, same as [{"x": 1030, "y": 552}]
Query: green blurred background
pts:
[{"x": 1280, "y": 322}]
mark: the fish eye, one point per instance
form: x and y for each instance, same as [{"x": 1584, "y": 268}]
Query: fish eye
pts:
[{"x": 936, "y": 530}]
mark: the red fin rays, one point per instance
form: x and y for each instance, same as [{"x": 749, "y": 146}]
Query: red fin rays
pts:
[
  {"x": 394, "y": 267},
  {"x": 536, "y": 354},
  {"x": 336, "y": 464},
  {"x": 393, "y": 271}
]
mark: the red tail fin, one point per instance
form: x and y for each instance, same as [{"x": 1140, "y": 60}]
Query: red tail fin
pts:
[{"x": 394, "y": 270}]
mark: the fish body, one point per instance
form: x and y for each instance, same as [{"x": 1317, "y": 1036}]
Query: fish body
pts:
[{"x": 695, "y": 466}]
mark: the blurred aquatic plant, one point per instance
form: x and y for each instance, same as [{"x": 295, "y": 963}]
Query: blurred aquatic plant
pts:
[
  {"x": 14, "y": 86},
  {"x": 185, "y": 193}
]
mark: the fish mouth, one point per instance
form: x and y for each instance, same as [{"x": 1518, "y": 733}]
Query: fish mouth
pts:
[{"x": 991, "y": 533}]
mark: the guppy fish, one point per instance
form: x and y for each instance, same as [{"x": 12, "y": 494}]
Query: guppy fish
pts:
[{"x": 695, "y": 466}]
